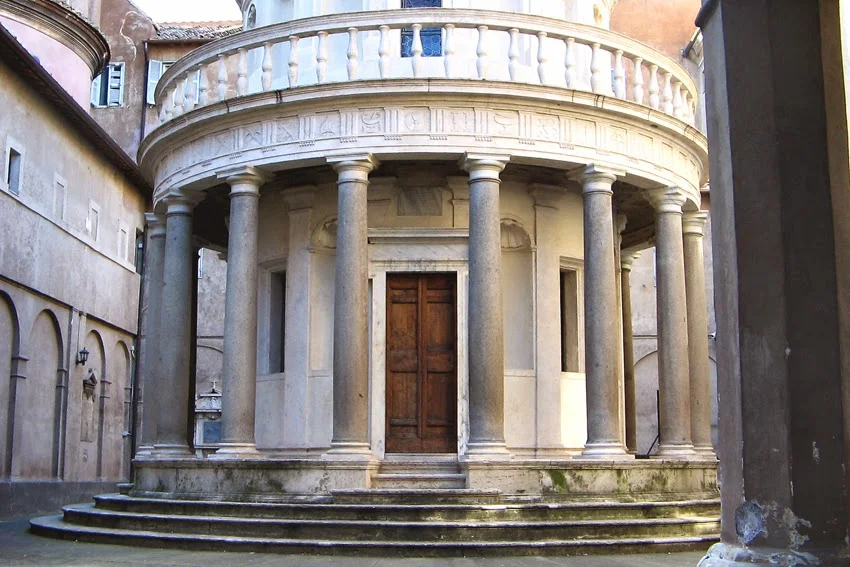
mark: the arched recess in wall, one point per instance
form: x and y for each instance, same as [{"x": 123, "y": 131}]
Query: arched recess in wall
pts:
[
  {"x": 10, "y": 333},
  {"x": 116, "y": 413},
  {"x": 96, "y": 388},
  {"x": 517, "y": 295},
  {"x": 35, "y": 444}
]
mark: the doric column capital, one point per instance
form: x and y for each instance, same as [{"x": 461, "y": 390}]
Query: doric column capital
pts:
[
  {"x": 693, "y": 223},
  {"x": 353, "y": 167},
  {"x": 667, "y": 199},
  {"x": 301, "y": 197},
  {"x": 482, "y": 166},
  {"x": 598, "y": 179},
  {"x": 244, "y": 179},
  {"x": 627, "y": 258},
  {"x": 180, "y": 203},
  {"x": 156, "y": 224}
]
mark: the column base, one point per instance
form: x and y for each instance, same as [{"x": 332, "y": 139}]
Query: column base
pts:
[
  {"x": 236, "y": 451},
  {"x": 605, "y": 452},
  {"x": 144, "y": 451},
  {"x": 726, "y": 555},
  {"x": 349, "y": 451},
  {"x": 676, "y": 452},
  {"x": 486, "y": 451},
  {"x": 705, "y": 452},
  {"x": 171, "y": 451}
]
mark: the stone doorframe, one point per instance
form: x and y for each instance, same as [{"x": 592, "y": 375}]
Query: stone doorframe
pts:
[{"x": 415, "y": 250}]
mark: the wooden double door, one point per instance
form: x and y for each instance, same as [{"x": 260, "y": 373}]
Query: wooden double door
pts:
[{"x": 421, "y": 363}]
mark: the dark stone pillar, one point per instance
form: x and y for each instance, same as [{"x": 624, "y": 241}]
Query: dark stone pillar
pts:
[{"x": 779, "y": 374}]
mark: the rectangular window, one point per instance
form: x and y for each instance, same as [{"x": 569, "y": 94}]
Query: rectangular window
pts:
[
  {"x": 277, "y": 322},
  {"x": 107, "y": 89},
  {"x": 155, "y": 71},
  {"x": 123, "y": 243},
  {"x": 14, "y": 163},
  {"x": 59, "y": 193},
  {"x": 569, "y": 321},
  {"x": 432, "y": 38},
  {"x": 93, "y": 221}
]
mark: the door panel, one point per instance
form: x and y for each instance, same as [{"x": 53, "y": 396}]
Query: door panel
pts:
[{"x": 421, "y": 363}]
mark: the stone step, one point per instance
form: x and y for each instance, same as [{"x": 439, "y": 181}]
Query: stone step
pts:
[
  {"x": 368, "y": 530},
  {"x": 416, "y": 496},
  {"x": 409, "y": 480},
  {"x": 502, "y": 511},
  {"x": 54, "y": 526}
]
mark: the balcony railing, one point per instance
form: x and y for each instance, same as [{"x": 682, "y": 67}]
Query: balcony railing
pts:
[{"x": 472, "y": 44}]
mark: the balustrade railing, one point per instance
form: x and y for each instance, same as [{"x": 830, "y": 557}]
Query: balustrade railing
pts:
[{"x": 472, "y": 44}]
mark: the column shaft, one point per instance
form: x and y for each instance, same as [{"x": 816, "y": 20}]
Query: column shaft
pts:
[
  {"x": 700, "y": 375},
  {"x": 351, "y": 311},
  {"x": 150, "y": 330},
  {"x": 175, "y": 332},
  {"x": 239, "y": 369},
  {"x": 486, "y": 324},
  {"x": 629, "y": 350},
  {"x": 601, "y": 319},
  {"x": 673, "y": 380}
]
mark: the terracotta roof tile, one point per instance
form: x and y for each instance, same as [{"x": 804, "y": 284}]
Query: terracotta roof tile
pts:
[{"x": 197, "y": 30}]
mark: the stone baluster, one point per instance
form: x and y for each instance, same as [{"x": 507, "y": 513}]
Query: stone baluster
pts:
[
  {"x": 150, "y": 330},
  {"x": 542, "y": 57},
  {"x": 221, "y": 90},
  {"x": 667, "y": 94},
  {"x": 351, "y": 310},
  {"x": 189, "y": 92},
  {"x": 637, "y": 81},
  {"x": 167, "y": 106},
  {"x": 322, "y": 57},
  {"x": 486, "y": 324},
  {"x": 268, "y": 65},
  {"x": 654, "y": 100},
  {"x": 513, "y": 54},
  {"x": 678, "y": 102},
  {"x": 353, "y": 65},
  {"x": 178, "y": 97},
  {"x": 204, "y": 85},
  {"x": 626, "y": 260},
  {"x": 416, "y": 50},
  {"x": 293, "y": 61},
  {"x": 619, "y": 75},
  {"x": 239, "y": 369},
  {"x": 384, "y": 52},
  {"x": 672, "y": 313},
  {"x": 598, "y": 81},
  {"x": 449, "y": 50},
  {"x": 570, "y": 63},
  {"x": 693, "y": 226},
  {"x": 601, "y": 319},
  {"x": 175, "y": 340},
  {"x": 481, "y": 53},
  {"x": 242, "y": 72}
]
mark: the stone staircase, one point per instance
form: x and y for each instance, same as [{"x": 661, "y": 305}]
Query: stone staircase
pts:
[
  {"x": 390, "y": 521},
  {"x": 406, "y": 472}
]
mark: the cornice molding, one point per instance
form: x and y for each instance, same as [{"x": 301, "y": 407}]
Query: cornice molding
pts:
[{"x": 63, "y": 25}]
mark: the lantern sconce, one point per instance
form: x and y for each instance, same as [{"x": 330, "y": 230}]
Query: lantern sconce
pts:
[{"x": 82, "y": 356}]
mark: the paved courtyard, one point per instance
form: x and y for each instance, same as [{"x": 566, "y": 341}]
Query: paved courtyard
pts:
[{"x": 18, "y": 547}]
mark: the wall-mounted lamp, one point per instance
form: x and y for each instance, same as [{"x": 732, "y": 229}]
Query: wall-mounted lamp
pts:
[{"x": 82, "y": 356}]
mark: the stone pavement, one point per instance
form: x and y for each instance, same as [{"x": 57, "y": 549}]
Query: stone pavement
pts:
[{"x": 18, "y": 547}]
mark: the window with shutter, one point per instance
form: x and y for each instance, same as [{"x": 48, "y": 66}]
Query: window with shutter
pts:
[
  {"x": 155, "y": 71},
  {"x": 108, "y": 88}
]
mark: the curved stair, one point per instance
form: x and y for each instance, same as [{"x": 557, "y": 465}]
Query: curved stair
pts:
[{"x": 435, "y": 522}]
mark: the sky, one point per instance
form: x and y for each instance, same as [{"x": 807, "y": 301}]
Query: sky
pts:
[{"x": 190, "y": 10}]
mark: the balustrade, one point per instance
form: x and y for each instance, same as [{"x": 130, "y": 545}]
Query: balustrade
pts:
[{"x": 500, "y": 47}]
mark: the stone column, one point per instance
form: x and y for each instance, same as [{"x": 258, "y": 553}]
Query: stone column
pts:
[
  {"x": 673, "y": 381},
  {"x": 175, "y": 339},
  {"x": 601, "y": 319},
  {"x": 626, "y": 260},
  {"x": 620, "y": 221},
  {"x": 149, "y": 328},
  {"x": 693, "y": 224},
  {"x": 351, "y": 309},
  {"x": 486, "y": 324},
  {"x": 239, "y": 369}
]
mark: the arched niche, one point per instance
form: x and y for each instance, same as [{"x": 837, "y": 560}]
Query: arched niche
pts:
[
  {"x": 9, "y": 349},
  {"x": 517, "y": 296},
  {"x": 116, "y": 398},
  {"x": 35, "y": 444}
]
